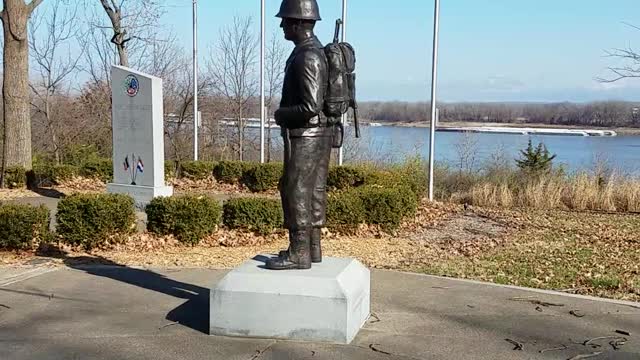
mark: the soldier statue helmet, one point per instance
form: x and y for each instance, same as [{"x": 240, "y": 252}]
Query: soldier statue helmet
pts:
[{"x": 307, "y": 137}]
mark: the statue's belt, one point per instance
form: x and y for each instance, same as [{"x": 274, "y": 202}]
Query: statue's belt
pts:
[{"x": 323, "y": 131}]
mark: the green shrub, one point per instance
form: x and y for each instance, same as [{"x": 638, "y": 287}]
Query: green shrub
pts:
[
  {"x": 90, "y": 219},
  {"x": 413, "y": 173},
  {"x": 15, "y": 177},
  {"x": 344, "y": 177},
  {"x": 387, "y": 206},
  {"x": 230, "y": 172},
  {"x": 262, "y": 177},
  {"x": 253, "y": 214},
  {"x": 61, "y": 173},
  {"x": 169, "y": 169},
  {"x": 20, "y": 225},
  {"x": 54, "y": 174},
  {"x": 345, "y": 210},
  {"x": 196, "y": 170},
  {"x": 79, "y": 155},
  {"x": 189, "y": 218},
  {"x": 535, "y": 160},
  {"x": 101, "y": 169}
]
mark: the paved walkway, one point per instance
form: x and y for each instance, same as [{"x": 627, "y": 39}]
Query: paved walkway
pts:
[{"x": 109, "y": 312}]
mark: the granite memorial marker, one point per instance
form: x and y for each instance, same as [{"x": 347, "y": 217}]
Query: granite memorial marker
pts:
[{"x": 138, "y": 136}]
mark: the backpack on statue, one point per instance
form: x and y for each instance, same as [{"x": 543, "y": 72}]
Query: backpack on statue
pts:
[{"x": 341, "y": 89}]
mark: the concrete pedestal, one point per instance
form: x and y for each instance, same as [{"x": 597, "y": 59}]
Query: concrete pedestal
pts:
[{"x": 328, "y": 303}]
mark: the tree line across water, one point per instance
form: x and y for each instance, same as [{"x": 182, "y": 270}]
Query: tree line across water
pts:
[{"x": 600, "y": 114}]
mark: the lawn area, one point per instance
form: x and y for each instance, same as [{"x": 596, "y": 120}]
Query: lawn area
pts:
[{"x": 579, "y": 252}]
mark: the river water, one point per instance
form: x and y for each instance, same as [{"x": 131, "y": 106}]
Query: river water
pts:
[{"x": 389, "y": 143}]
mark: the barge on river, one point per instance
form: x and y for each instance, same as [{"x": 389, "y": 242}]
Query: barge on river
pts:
[{"x": 529, "y": 131}]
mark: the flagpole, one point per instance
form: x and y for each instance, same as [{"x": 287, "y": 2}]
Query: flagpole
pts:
[
  {"x": 262, "y": 56},
  {"x": 195, "y": 80},
  {"x": 434, "y": 81}
]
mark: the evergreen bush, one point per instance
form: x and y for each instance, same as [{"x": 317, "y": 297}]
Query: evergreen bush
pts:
[
  {"x": 20, "y": 225},
  {"x": 254, "y": 214},
  {"x": 91, "y": 219},
  {"x": 262, "y": 177},
  {"x": 189, "y": 218}
]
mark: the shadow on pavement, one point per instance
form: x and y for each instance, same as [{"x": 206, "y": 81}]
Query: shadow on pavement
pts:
[
  {"x": 50, "y": 193},
  {"x": 194, "y": 313}
]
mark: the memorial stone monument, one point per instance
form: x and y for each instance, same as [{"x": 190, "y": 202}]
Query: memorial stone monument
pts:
[
  {"x": 297, "y": 294},
  {"x": 138, "y": 136}
]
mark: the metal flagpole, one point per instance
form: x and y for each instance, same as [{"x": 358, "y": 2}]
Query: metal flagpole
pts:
[
  {"x": 344, "y": 38},
  {"x": 434, "y": 79},
  {"x": 195, "y": 80},
  {"x": 262, "y": 114}
]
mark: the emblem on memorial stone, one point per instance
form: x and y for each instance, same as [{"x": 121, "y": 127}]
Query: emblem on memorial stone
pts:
[{"x": 131, "y": 85}]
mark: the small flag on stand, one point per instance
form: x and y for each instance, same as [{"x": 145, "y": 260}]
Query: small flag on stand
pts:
[{"x": 140, "y": 165}]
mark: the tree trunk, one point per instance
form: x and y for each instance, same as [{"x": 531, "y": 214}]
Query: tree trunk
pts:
[
  {"x": 122, "y": 53},
  {"x": 15, "y": 87}
]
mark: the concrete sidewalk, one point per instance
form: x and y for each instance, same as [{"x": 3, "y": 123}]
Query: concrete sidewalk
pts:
[{"x": 108, "y": 312}]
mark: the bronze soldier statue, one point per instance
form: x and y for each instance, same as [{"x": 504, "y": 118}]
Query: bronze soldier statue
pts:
[{"x": 307, "y": 136}]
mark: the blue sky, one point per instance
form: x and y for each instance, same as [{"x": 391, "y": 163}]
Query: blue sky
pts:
[{"x": 490, "y": 50}]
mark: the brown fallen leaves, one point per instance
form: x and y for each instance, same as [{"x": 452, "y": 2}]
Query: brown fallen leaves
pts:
[{"x": 588, "y": 252}]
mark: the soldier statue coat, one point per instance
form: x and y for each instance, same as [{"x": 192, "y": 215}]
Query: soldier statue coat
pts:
[{"x": 307, "y": 136}]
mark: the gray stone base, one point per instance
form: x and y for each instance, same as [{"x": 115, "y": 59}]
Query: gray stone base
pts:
[
  {"x": 328, "y": 303},
  {"x": 142, "y": 195}
]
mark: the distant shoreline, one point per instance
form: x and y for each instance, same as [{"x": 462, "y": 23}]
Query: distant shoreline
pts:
[{"x": 619, "y": 130}]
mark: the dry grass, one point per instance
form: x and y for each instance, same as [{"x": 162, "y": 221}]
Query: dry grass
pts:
[
  {"x": 580, "y": 192},
  {"x": 492, "y": 195},
  {"x": 543, "y": 193}
]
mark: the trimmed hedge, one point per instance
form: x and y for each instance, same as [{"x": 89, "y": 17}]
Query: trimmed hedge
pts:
[
  {"x": 101, "y": 169},
  {"x": 345, "y": 177},
  {"x": 230, "y": 172},
  {"x": 90, "y": 219},
  {"x": 345, "y": 210},
  {"x": 254, "y": 214},
  {"x": 189, "y": 218},
  {"x": 55, "y": 174},
  {"x": 20, "y": 225},
  {"x": 387, "y": 206},
  {"x": 262, "y": 177},
  {"x": 196, "y": 170},
  {"x": 15, "y": 177}
]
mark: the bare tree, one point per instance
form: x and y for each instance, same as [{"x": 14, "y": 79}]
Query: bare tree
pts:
[
  {"x": 467, "y": 149},
  {"x": 130, "y": 20},
  {"x": 233, "y": 71},
  {"x": 15, "y": 89},
  {"x": 276, "y": 57},
  {"x": 52, "y": 67},
  {"x": 178, "y": 94},
  {"x": 631, "y": 67}
]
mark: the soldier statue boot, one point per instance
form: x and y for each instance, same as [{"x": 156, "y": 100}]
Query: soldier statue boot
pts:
[
  {"x": 316, "y": 247},
  {"x": 298, "y": 257}
]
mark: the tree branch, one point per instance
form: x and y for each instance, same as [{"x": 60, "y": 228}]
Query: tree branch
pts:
[{"x": 33, "y": 5}]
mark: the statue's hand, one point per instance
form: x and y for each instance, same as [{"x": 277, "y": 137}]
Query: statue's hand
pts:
[{"x": 278, "y": 117}]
